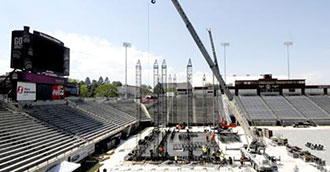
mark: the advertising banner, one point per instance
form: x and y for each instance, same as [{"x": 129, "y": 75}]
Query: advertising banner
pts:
[
  {"x": 58, "y": 92},
  {"x": 25, "y": 91}
]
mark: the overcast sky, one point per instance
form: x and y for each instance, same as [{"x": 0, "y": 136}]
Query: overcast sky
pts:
[{"x": 256, "y": 29}]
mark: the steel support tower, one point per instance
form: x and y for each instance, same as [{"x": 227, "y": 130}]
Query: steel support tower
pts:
[
  {"x": 138, "y": 80},
  {"x": 189, "y": 94},
  {"x": 175, "y": 114},
  {"x": 170, "y": 86},
  {"x": 204, "y": 101},
  {"x": 164, "y": 96}
]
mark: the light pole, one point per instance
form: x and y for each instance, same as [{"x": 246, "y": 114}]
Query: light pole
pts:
[
  {"x": 126, "y": 44},
  {"x": 287, "y": 44},
  {"x": 224, "y": 44}
]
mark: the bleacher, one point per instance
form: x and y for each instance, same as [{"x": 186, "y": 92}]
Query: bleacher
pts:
[
  {"x": 26, "y": 142},
  {"x": 128, "y": 107},
  {"x": 283, "y": 109},
  {"x": 111, "y": 114},
  {"x": 321, "y": 101},
  {"x": 309, "y": 109},
  {"x": 258, "y": 111},
  {"x": 72, "y": 120}
]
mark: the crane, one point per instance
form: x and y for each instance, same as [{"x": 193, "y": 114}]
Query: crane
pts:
[
  {"x": 228, "y": 97},
  {"x": 260, "y": 161}
]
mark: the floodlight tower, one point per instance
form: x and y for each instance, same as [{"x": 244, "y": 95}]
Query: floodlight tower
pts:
[
  {"x": 138, "y": 80},
  {"x": 189, "y": 93},
  {"x": 224, "y": 44},
  {"x": 126, "y": 45},
  {"x": 164, "y": 84},
  {"x": 288, "y": 44}
]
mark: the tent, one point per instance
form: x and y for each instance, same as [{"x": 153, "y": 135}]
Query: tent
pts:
[{"x": 64, "y": 166}]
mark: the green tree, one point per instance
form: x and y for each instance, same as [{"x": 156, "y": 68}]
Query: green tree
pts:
[
  {"x": 159, "y": 89},
  {"x": 145, "y": 90},
  {"x": 100, "y": 81},
  {"x": 83, "y": 90},
  {"x": 106, "y": 81},
  {"x": 107, "y": 90},
  {"x": 87, "y": 82},
  {"x": 117, "y": 83},
  {"x": 74, "y": 81}
]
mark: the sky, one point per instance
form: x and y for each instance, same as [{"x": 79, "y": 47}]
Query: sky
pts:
[{"x": 94, "y": 30}]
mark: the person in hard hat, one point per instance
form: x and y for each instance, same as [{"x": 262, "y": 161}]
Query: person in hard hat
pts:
[
  {"x": 160, "y": 150},
  {"x": 204, "y": 149},
  {"x": 176, "y": 159},
  {"x": 241, "y": 160}
]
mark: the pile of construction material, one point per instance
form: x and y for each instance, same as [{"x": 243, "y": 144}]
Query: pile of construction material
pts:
[
  {"x": 297, "y": 152},
  {"x": 314, "y": 146},
  {"x": 279, "y": 141}
]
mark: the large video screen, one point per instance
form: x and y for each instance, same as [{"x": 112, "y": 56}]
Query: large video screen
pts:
[{"x": 39, "y": 52}]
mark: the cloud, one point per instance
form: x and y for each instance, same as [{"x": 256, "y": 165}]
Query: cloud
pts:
[{"x": 94, "y": 57}]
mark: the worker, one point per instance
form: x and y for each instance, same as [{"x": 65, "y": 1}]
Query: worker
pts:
[
  {"x": 241, "y": 160},
  {"x": 296, "y": 169},
  {"x": 207, "y": 136},
  {"x": 204, "y": 149},
  {"x": 176, "y": 159},
  {"x": 160, "y": 150},
  {"x": 230, "y": 161},
  {"x": 212, "y": 137}
]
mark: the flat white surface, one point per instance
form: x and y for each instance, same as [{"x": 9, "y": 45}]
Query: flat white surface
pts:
[{"x": 287, "y": 163}]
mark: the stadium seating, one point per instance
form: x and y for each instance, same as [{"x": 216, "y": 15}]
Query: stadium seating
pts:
[
  {"x": 26, "y": 142},
  {"x": 128, "y": 107},
  {"x": 256, "y": 107},
  {"x": 307, "y": 107},
  {"x": 258, "y": 111},
  {"x": 283, "y": 109},
  {"x": 321, "y": 101},
  {"x": 72, "y": 120},
  {"x": 109, "y": 113}
]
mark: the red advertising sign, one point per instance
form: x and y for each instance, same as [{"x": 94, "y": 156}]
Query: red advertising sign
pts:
[{"x": 58, "y": 92}]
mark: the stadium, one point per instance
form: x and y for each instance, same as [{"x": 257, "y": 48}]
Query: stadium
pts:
[{"x": 50, "y": 123}]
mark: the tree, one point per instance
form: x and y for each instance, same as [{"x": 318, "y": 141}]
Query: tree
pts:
[
  {"x": 87, "y": 82},
  {"x": 145, "y": 90},
  {"x": 100, "y": 81},
  {"x": 117, "y": 83},
  {"x": 106, "y": 90},
  {"x": 106, "y": 81},
  {"x": 159, "y": 89},
  {"x": 83, "y": 90},
  {"x": 74, "y": 81},
  {"x": 92, "y": 88}
]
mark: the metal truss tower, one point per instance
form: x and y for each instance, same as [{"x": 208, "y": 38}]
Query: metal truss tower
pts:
[
  {"x": 204, "y": 101},
  {"x": 156, "y": 74},
  {"x": 138, "y": 80},
  {"x": 174, "y": 113},
  {"x": 170, "y": 86},
  {"x": 164, "y": 96},
  {"x": 189, "y": 93}
]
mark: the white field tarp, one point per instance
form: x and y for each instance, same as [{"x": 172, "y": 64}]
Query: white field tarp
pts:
[{"x": 64, "y": 166}]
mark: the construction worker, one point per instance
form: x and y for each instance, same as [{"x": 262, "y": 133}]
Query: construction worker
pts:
[
  {"x": 160, "y": 150},
  {"x": 176, "y": 159},
  {"x": 241, "y": 160},
  {"x": 204, "y": 149},
  {"x": 212, "y": 137},
  {"x": 207, "y": 136}
]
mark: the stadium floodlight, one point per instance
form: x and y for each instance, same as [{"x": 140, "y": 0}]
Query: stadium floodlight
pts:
[
  {"x": 224, "y": 44},
  {"x": 126, "y": 45},
  {"x": 288, "y": 44}
]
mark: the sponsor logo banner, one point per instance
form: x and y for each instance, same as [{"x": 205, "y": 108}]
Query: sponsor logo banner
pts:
[
  {"x": 25, "y": 91},
  {"x": 58, "y": 92}
]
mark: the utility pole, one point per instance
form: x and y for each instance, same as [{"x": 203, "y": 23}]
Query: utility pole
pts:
[{"x": 126, "y": 45}]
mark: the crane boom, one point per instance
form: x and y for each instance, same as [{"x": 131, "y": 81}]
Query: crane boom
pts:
[{"x": 228, "y": 96}]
